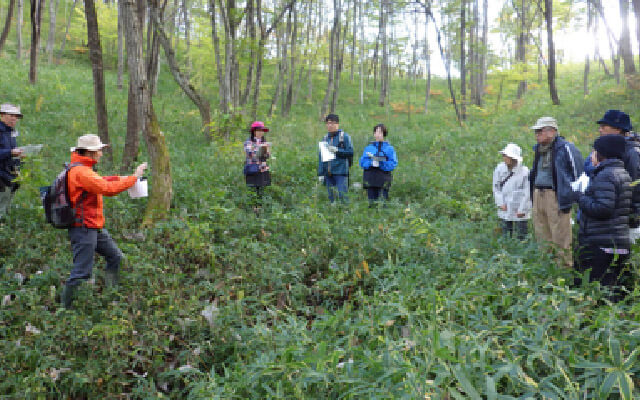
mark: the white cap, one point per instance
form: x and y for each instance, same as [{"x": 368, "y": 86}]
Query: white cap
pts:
[
  {"x": 89, "y": 142},
  {"x": 7, "y": 108},
  {"x": 512, "y": 150}
]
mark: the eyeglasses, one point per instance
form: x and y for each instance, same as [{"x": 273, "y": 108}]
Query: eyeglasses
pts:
[
  {"x": 332, "y": 122},
  {"x": 539, "y": 131}
]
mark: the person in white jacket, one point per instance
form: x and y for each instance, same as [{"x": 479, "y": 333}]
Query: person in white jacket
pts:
[{"x": 511, "y": 192}]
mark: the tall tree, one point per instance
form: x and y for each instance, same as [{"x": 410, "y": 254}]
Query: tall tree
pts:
[
  {"x": 36, "y": 20},
  {"x": 636, "y": 11},
  {"x": 332, "y": 56},
  {"x": 551, "y": 69},
  {"x": 521, "y": 44},
  {"x": 51, "y": 39},
  {"x": 463, "y": 56},
  {"x": 7, "y": 24},
  {"x": 384, "y": 66},
  {"x": 19, "y": 21},
  {"x": 161, "y": 192},
  {"x": 120, "y": 77},
  {"x": 181, "y": 78},
  {"x": 66, "y": 31},
  {"x": 95, "y": 55},
  {"x": 264, "y": 34},
  {"x": 625, "y": 39}
]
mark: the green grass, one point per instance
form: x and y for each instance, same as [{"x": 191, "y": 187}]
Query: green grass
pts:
[{"x": 420, "y": 299}]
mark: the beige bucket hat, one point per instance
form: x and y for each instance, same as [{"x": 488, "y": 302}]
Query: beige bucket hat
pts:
[
  {"x": 89, "y": 142},
  {"x": 8, "y": 108}
]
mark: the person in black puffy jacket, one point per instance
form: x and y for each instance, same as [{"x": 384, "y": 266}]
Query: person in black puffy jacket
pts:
[{"x": 603, "y": 239}]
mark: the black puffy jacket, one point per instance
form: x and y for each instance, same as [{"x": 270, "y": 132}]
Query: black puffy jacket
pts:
[{"x": 605, "y": 206}]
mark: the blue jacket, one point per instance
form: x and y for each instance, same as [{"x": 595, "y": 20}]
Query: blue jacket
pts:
[
  {"x": 340, "y": 164},
  {"x": 8, "y": 164},
  {"x": 566, "y": 166},
  {"x": 386, "y": 151}
]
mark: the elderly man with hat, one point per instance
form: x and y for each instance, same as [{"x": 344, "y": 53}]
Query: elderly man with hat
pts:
[
  {"x": 605, "y": 206},
  {"x": 557, "y": 163},
  {"x": 10, "y": 155},
  {"x": 88, "y": 237},
  {"x": 616, "y": 122}
]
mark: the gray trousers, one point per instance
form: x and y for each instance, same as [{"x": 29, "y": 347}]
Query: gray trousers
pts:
[
  {"x": 6, "y": 195},
  {"x": 85, "y": 242}
]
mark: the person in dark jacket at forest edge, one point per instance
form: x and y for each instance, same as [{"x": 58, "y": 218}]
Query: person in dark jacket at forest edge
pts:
[
  {"x": 603, "y": 239},
  {"x": 557, "y": 163},
  {"x": 378, "y": 160},
  {"x": 335, "y": 172},
  {"x": 616, "y": 122},
  {"x": 9, "y": 155},
  {"x": 257, "y": 150}
]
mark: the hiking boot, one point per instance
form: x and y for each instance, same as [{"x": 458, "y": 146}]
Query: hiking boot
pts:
[
  {"x": 68, "y": 294},
  {"x": 111, "y": 278}
]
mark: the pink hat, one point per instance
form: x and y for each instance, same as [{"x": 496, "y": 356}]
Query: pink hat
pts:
[{"x": 259, "y": 125}]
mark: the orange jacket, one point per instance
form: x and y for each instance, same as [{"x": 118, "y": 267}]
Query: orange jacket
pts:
[{"x": 84, "y": 179}]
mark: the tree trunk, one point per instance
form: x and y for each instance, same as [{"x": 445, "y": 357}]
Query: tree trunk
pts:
[
  {"x": 551, "y": 72},
  {"x": 95, "y": 55},
  {"x": 427, "y": 59},
  {"x": 264, "y": 34},
  {"x": 120, "y": 47},
  {"x": 19, "y": 22},
  {"x": 636, "y": 11},
  {"x": 66, "y": 31},
  {"x": 587, "y": 58},
  {"x": 521, "y": 48},
  {"x": 340, "y": 38},
  {"x": 332, "y": 47},
  {"x": 355, "y": 35},
  {"x": 293, "y": 33},
  {"x": 625, "y": 39},
  {"x": 384, "y": 66},
  {"x": 53, "y": 6},
  {"x": 36, "y": 19},
  {"x": 485, "y": 50},
  {"x": 281, "y": 56},
  {"x": 463, "y": 66},
  {"x": 7, "y": 24},
  {"x": 218, "y": 57},
  {"x": 187, "y": 38},
  {"x": 251, "y": 26},
  {"x": 181, "y": 79},
  {"x": 361, "y": 53},
  {"x": 161, "y": 189}
]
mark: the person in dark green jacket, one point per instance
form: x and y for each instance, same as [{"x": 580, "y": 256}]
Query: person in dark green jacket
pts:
[{"x": 335, "y": 172}]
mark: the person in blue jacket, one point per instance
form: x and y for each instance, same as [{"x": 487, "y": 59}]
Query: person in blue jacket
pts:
[
  {"x": 335, "y": 172},
  {"x": 616, "y": 122},
  {"x": 378, "y": 160}
]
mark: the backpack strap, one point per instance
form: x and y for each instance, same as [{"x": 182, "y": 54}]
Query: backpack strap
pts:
[{"x": 83, "y": 195}]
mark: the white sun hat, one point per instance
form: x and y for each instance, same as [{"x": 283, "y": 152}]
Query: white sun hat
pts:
[
  {"x": 512, "y": 150},
  {"x": 8, "y": 108},
  {"x": 89, "y": 142}
]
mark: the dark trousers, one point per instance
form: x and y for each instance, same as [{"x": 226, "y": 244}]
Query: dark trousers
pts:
[
  {"x": 373, "y": 193},
  {"x": 85, "y": 242},
  {"x": 606, "y": 268},
  {"x": 517, "y": 227}
]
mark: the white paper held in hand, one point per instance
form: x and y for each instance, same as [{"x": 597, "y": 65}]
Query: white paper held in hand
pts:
[
  {"x": 140, "y": 189},
  {"x": 580, "y": 184},
  {"x": 325, "y": 154}
]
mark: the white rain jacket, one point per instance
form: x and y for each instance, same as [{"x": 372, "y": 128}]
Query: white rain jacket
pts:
[{"x": 514, "y": 192}]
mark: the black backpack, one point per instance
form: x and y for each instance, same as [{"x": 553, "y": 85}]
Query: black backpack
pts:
[{"x": 56, "y": 203}]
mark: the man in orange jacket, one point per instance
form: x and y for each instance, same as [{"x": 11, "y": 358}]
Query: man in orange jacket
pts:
[{"x": 88, "y": 236}]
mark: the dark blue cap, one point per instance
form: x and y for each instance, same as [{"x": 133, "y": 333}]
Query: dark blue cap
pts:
[
  {"x": 610, "y": 146},
  {"x": 617, "y": 119}
]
